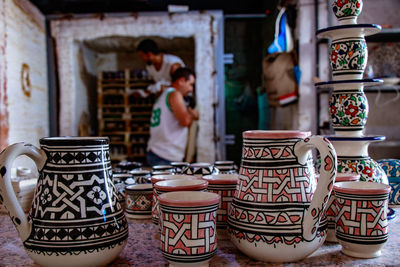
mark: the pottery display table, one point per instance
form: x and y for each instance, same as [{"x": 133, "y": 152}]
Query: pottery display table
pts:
[{"x": 143, "y": 250}]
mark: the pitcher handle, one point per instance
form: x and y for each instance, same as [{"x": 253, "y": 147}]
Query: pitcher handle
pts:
[
  {"x": 7, "y": 194},
  {"x": 325, "y": 182}
]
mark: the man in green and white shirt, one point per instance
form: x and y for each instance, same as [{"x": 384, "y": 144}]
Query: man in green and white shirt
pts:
[{"x": 170, "y": 120}]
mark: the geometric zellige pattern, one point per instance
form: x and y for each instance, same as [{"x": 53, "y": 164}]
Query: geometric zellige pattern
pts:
[
  {"x": 76, "y": 207},
  {"x": 361, "y": 219},
  {"x": 188, "y": 234}
]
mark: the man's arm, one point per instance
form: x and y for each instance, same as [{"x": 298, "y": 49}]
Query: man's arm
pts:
[
  {"x": 174, "y": 67},
  {"x": 184, "y": 115}
]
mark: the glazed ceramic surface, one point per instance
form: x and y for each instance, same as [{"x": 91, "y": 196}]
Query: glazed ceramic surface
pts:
[
  {"x": 348, "y": 58},
  {"x": 349, "y": 111},
  {"x": 76, "y": 218},
  {"x": 331, "y": 207},
  {"x": 224, "y": 167},
  {"x": 272, "y": 217},
  {"x": 164, "y": 177},
  {"x": 225, "y": 186},
  {"x": 392, "y": 169},
  {"x": 353, "y": 157},
  {"x": 139, "y": 199},
  {"x": 347, "y": 11},
  {"x": 198, "y": 169},
  {"x": 162, "y": 169},
  {"x": 361, "y": 220},
  {"x": 179, "y": 166},
  {"x": 141, "y": 176},
  {"x": 188, "y": 226},
  {"x": 348, "y": 105}
]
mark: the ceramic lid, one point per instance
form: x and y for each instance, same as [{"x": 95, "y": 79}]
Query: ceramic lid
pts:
[
  {"x": 275, "y": 134},
  {"x": 361, "y": 188},
  {"x": 349, "y": 30},
  {"x": 74, "y": 140},
  {"x": 221, "y": 178},
  {"x": 162, "y": 177},
  {"x": 347, "y": 83},
  {"x": 189, "y": 199},
  {"x": 181, "y": 185},
  {"x": 370, "y": 138}
]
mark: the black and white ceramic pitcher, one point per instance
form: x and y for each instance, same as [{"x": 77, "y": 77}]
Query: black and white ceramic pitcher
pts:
[{"x": 75, "y": 219}]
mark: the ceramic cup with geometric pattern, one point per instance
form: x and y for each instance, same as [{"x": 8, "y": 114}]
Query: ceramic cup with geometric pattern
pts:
[
  {"x": 225, "y": 186},
  {"x": 361, "y": 219},
  {"x": 188, "y": 227},
  {"x": 164, "y": 177},
  {"x": 139, "y": 199},
  {"x": 331, "y": 207}
]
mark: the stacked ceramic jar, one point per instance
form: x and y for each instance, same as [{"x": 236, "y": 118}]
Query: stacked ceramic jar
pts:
[{"x": 348, "y": 104}]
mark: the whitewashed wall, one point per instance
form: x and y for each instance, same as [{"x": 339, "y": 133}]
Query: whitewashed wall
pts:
[
  {"x": 24, "y": 42},
  {"x": 201, "y": 26}
]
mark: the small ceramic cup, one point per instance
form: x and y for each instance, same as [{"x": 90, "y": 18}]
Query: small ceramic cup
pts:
[
  {"x": 347, "y": 11},
  {"x": 349, "y": 111},
  {"x": 188, "y": 227},
  {"x": 179, "y": 166},
  {"x": 225, "y": 186},
  {"x": 224, "y": 167},
  {"x": 139, "y": 199},
  {"x": 330, "y": 210},
  {"x": 164, "y": 177},
  {"x": 162, "y": 169},
  {"x": 198, "y": 169},
  {"x": 348, "y": 58},
  {"x": 361, "y": 220},
  {"x": 141, "y": 176}
]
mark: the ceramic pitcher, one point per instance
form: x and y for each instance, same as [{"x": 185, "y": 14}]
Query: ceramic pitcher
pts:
[
  {"x": 76, "y": 218},
  {"x": 276, "y": 213}
]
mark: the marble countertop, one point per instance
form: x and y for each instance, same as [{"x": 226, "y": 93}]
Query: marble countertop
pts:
[{"x": 143, "y": 250}]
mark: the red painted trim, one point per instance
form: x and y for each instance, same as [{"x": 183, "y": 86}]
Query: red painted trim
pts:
[{"x": 189, "y": 199}]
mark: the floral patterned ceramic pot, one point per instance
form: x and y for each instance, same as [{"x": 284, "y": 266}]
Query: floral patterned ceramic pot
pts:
[
  {"x": 348, "y": 54},
  {"x": 76, "y": 218},
  {"x": 272, "y": 217},
  {"x": 348, "y": 105},
  {"x": 347, "y": 11},
  {"x": 353, "y": 157},
  {"x": 392, "y": 170}
]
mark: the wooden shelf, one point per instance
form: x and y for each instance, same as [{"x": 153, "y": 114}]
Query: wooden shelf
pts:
[{"x": 124, "y": 121}]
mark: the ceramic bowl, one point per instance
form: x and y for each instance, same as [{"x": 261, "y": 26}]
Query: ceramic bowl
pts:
[
  {"x": 188, "y": 227},
  {"x": 224, "y": 167},
  {"x": 347, "y": 11},
  {"x": 392, "y": 169},
  {"x": 141, "y": 176},
  {"x": 179, "y": 166},
  {"x": 361, "y": 220},
  {"x": 225, "y": 186},
  {"x": 198, "y": 169},
  {"x": 139, "y": 199},
  {"x": 158, "y": 169}
]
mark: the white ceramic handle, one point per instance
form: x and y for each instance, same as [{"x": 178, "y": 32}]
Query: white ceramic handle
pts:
[
  {"x": 7, "y": 194},
  {"x": 325, "y": 182}
]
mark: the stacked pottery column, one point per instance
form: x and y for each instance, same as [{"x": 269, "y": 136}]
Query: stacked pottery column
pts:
[{"x": 348, "y": 104}]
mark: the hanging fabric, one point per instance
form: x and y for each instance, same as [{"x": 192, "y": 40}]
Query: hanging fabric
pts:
[{"x": 283, "y": 41}]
